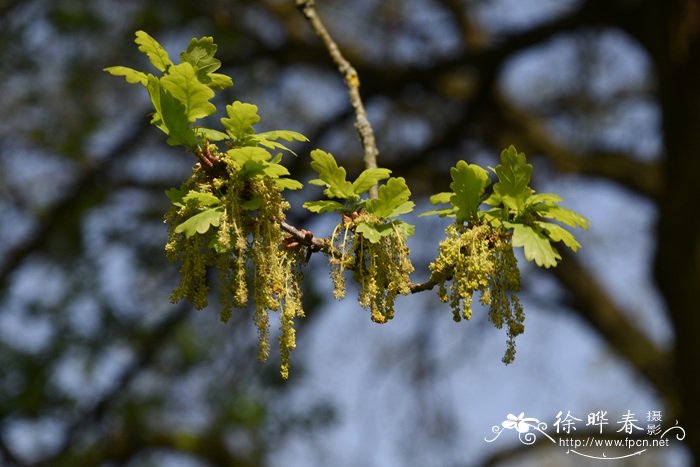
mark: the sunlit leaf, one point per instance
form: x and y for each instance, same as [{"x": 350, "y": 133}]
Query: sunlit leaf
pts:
[
  {"x": 240, "y": 120},
  {"x": 559, "y": 234},
  {"x": 535, "y": 245},
  {"x": 182, "y": 83},
  {"x": 154, "y": 51},
  {"x": 322, "y": 206},
  {"x": 368, "y": 178},
  {"x": 514, "y": 175},
  {"x": 200, "y": 223},
  {"x": 201, "y": 199},
  {"x": 132, "y": 76},
  {"x": 331, "y": 176},
  {"x": 392, "y": 199},
  {"x": 469, "y": 181}
]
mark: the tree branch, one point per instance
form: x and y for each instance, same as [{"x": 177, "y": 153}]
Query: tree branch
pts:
[{"x": 352, "y": 82}]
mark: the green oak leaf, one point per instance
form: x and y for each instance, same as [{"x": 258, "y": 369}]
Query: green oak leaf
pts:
[
  {"x": 174, "y": 118},
  {"x": 200, "y": 223},
  {"x": 182, "y": 83},
  {"x": 288, "y": 184},
  {"x": 404, "y": 228},
  {"x": 559, "y": 234},
  {"x": 269, "y": 139},
  {"x": 514, "y": 175},
  {"x": 322, "y": 206},
  {"x": 441, "y": 198},
  {"x": 369, "y": 178},
  {"x": 469, "y": 181},
  {"x": 548, "y": 199},
  {"x": 219, "y": 81},
  {"x": 200, "y": 54},
  {"x": 176, "y": 196},
  {"x": 201, "y": 199},
  {"x": 240, "y": 120},
  {"x": 369, "y": 232},
  {"x": 392, "y": 199},
  {"x": 211, "y": 135},
  {"x": 240, "y": 156},
  {"x": 286, "y": 135},
  {"x": 564, "y": 215},
  {"x": 331, "y": 176},
  {"x": 154, "y": 51},
  {"x": 132, "y": 76},
  {"x": 535, "y": 245},
  {"x": 445, "y": 212}
]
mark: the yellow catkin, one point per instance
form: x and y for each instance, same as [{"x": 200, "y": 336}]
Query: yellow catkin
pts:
[{"x": 479, "y": 258}]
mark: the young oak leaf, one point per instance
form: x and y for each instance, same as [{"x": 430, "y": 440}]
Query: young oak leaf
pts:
[
  {"x": 154, "y": 51},
  {"x": 182, "y": 83},
  {"x": 557, "y": 233},
  {"x": 200, "y": 223},
  {"x": 440, "y": 198},
  {"x": 269, "y": 139},
  {"x": 514, "y": 175},
  {"x": 200, "y": 54},
  {"x": 324, "y": 205},
  {"x": 132, "y": 76},
  {"x": 331, "y": 176},
  {"x": 565, "y": 216},
  {"x": 469, "y": 182},
  {"x": 535, "y": 245},
  {"x": 201, "y": 199},
  {"x": 369, "y": 232},
  {"x": 368, "y": 178},
  {"x": 241, "y": 118},
  {"x": 392, "y": 199},
  {"x": 174, "y": 118}
]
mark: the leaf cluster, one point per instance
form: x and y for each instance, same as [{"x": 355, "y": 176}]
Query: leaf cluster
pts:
[
  {"x": 533, "y": 219},
  {"x": 347, "y": 198},
  {"x": 228, "y": 214}
]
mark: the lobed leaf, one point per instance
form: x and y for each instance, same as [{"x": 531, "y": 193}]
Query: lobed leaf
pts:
[
  {"x": 182, "y": 83},
  {"x": 174, "y": 118},
  {"x": 132, "y": 76},
  {"x": 201, "y": 199},
  {"x": 369, "y": 178},
  {"x": 200, "y": 54},
  {"x": 565, "y": 216},
  {"x": 331, "y": 176},
  {"x": 369, "y": 232},
  {"x": 514, "y": 174},
  {"x": 535, "y": 245},
  {"x": 392, "y": 199},
  {"x": 154, "y": 51},
  {"x": 469, "y": 182},
  {"x": 559, "y": 234},
  {"x": 322, "y": 206},
  {"x": 176, "y": 196},
  {"x": 288, "y": 184},
  {"x": 240, "y": 121},
  {"x": 200, "y": 223},
  {"x": 441, "y": 198}
]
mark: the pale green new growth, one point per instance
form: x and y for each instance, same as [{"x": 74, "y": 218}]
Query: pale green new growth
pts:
[{"x": 228, "y": 214}]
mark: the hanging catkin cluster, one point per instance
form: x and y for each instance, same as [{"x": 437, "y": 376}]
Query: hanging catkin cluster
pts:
[
  {"x": 479, "y": 258},
  {"x": 246, "y": 242},
  {"x": 382, "y": 269}
]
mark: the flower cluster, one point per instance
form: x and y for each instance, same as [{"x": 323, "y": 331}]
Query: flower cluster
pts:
[
  {"x": 480, "y": 258},
  {"x": 382, "y": 268},
  {"x": 243, "y": 236}
]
